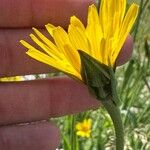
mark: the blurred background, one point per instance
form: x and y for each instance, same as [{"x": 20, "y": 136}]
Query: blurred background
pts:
[{"x": 134, "y": 92}]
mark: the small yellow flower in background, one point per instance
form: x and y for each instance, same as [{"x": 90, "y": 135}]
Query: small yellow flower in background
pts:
[
  {"x": 84, "y": 128},
  {"x": 102, "y": 38},
  {"x": 11, "y": 79}
]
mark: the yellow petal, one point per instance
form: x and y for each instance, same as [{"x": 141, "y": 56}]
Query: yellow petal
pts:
[
  {"x": 103, "y": 16},
  {"x": 89, "y": 121},
  {"x": 49, "y": 51},
  {"x": 78, "y": 38},
  {"x": 80, "y": 133},
  {"x": 61, "y": 38},
  {"x": 50, "y": 28},
  {"x": 92, "y": 15},
  {"x": 77, "y": 23},
  {"x": 27, "y": 45},
  {"x": 46, "y": 40},
  {"x": 79, "y": 126},
  {"x": 94, "y": 32},
  {"x": 129, "y": 20},
  {"x": 42, "y": 57},
  {"x": 87, "y": 134},
  {"x": 126, "y": 27},
  {"x": 73, "y": 56},
  {"x": 63, "y": 66},
  {"x": 122, "y": 10}
]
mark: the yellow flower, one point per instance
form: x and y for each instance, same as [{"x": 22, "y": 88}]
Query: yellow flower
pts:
[
  {"x": 102, "y": 38},
  {"x": 84, "y": 128},
  {"x": 11, "y": 79}
]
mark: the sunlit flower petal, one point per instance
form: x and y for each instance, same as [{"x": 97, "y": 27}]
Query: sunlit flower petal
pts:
[
  {"x": 77, "y": 23},
  {"x": 50, "y": 28},
  {"x": 102, "y": 38}
]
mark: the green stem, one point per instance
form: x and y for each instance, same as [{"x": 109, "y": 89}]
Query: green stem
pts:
[
  {"x": 138, "y": 19},
  {"x": 115, "y": 115},
  {"x": 73, "y": 136}
]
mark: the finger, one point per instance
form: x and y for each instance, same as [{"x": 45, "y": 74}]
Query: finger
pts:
[
  {"x": 30, "y": 13},
  {"x": 38, "y": 136},
  {"x": 14, "y": 60},
  {"x": 41, "y": 99},
  {"x": 126, "y": 51}
]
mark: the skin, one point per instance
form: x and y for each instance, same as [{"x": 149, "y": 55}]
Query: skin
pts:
[{"x": 24, "y": 105}]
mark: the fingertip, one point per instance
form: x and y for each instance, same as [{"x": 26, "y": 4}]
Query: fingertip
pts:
[
  {"x": 126, "y": 51},
  {"x": 35, "y": 136}
]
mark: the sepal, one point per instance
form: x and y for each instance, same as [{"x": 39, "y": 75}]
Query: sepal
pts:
[{"x": 98, "y": 77}]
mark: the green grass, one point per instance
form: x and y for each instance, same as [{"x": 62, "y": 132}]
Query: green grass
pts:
[{"x": 134, "y": 92}]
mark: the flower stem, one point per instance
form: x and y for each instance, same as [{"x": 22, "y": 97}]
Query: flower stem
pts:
[
  {"x": 73, "y": 138},
  {"x": 115, "y": 115}
]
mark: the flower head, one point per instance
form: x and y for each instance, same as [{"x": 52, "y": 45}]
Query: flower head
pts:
[
  {"x": 84, "y": 128},
  {"x": 102, "y": 38}
]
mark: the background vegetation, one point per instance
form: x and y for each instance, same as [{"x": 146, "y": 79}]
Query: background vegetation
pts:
[{"x": 134, "y": 92}]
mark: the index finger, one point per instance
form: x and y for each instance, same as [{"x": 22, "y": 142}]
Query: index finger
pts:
[
  {"x": 40, "y": 99},
  {"x": 30, "y": 13}
]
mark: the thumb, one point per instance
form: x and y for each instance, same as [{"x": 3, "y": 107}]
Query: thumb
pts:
[{"x": 126, "y": 51}]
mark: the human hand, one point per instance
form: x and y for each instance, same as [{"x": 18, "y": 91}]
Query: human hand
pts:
[{"x": 34, "y": 101}]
